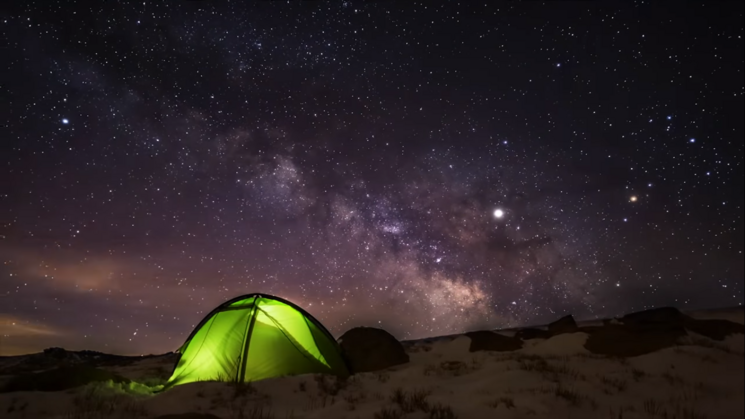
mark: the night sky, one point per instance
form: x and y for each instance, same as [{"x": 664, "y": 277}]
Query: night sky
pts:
[{"x": 424, "y": 167}]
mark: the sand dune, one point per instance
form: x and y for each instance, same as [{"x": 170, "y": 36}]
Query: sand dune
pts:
[{"x": 548, "y": 378}]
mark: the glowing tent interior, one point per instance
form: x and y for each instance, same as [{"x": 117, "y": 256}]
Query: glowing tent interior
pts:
[{"x": 254, "y": 337}]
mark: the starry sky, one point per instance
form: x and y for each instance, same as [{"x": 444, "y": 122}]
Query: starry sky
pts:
[{"x": 424, "y": 167}]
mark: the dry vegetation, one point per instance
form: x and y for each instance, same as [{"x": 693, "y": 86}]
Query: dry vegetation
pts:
[
  {"x": 403, "y": 403},
  {"x": 97, "y": 401},
  {"x": 565, "y": 384}
]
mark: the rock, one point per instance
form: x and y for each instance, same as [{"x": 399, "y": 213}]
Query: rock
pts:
[
  {"x": 369, "y": 349},
  {"x": 55, "y": 353},
  {"x": 662, "y": 315},
  {"x": 490, "y": 341},
  {"x": 190, "y": 415},
  {"x": 630, "y": 341},
  {"x": 62, "y": 378},
  {"x": 565, "y": 324},
  {"x": 530, "y": 333},
  {"x": 652, "y": 330},
  {"x": 714, "y": 329}
]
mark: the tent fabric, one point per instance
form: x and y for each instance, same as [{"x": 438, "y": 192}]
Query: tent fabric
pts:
[{"x": 254, "y": 337}]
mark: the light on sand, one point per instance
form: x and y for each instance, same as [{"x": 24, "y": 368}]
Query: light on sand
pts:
[{"x": 499, "y": 213}]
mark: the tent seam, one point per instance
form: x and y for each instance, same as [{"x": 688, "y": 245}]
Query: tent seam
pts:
[{"x": 302, "y": 350}]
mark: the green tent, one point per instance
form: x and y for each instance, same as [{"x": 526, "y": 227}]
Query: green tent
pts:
[{"x": 253, "y": 337}]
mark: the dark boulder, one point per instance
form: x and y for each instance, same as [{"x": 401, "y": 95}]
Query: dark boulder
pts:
[
  {"x": 625, "y": 341},
  {"x": 59, "y": 379},
  {"x": 565, "y": 324},
  {"x": 55, "y": 353},
  {"x": 369, "y": 349},
  {"x": 655, "y": 316},
  {"x": 531, "y": 333},
  {"x": 490, "y": 341},
  {"x": 652, "y": 330}
]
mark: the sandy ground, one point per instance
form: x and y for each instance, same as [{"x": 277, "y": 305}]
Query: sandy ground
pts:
[{"x": 548, "y": 378}]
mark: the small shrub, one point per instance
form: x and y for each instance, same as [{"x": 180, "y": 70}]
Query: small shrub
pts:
[
  {"x": 550, "y": 371},
  {"x": 410, "y": 402},
  {"x": 331, "y": 385},
  {"x": 616, "y": 383},
  {"x": 532, "y": 363},
  {"x": 570, "y": 395},
  {"x": 254, "y": 412},
  {"x": 638, "y": 374},
  {"x": 61, "y": 378},
  {"x": 653, "y": 407},
  {"x": 507, "y": 402},
  {"x": 389, "y": 413},
  {"x": 13, "y": 407},
  {"x": 689, "y": 393},
  {"x": 448, "y": 368},
  {"x": 95, "y": 402},
  {"x": 439, "y": 411},
  {"x": 241, "y": 389},
  {"x": 684, "y": 412},
  {"x": 354, "y": 398},
  {"x": 616, "y": 415},
  {"x": 564, "y": 369}
]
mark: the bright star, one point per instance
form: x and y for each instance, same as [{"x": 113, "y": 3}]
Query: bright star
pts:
[
  {"x": 692, "y": 140},
  {"x": 499, "y": 213},
  {"x": 634, "y": 198},
  {"x": 65, "y": 121}
]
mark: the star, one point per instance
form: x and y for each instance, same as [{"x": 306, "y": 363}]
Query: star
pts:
[{"x": 277, "y": 158}]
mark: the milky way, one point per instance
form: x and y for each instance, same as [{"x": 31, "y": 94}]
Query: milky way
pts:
[{"x": 428, "y": 169}]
